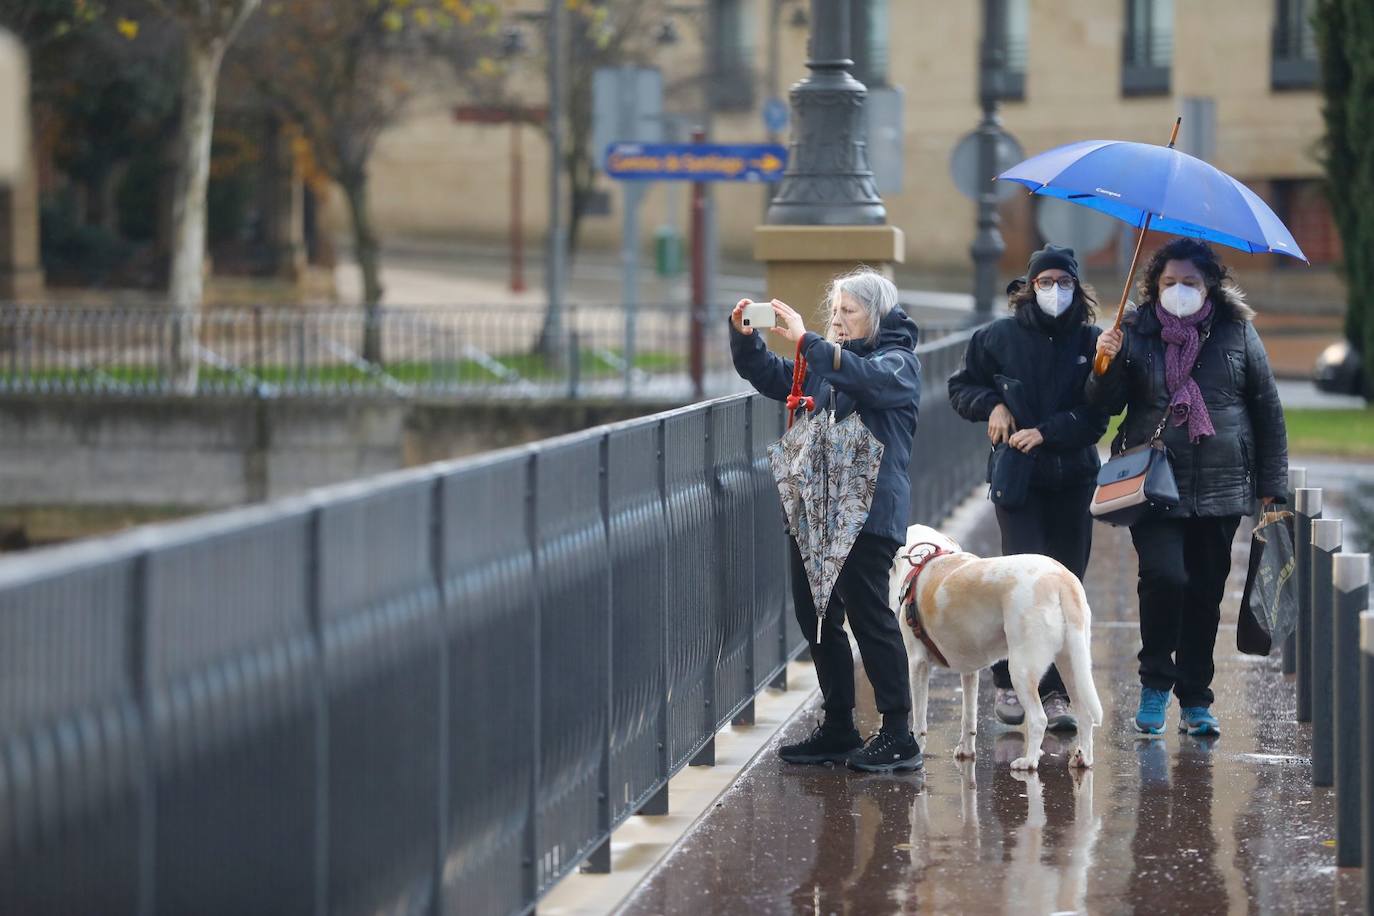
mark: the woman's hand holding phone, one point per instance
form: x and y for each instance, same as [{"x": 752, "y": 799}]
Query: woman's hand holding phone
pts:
[
  {"x": 790, "y": 323},
  {"x": 749, "y": 316}
]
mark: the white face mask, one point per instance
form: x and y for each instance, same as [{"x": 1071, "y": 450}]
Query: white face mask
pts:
[
  {"x": 1053, "y": 301},
  {"x": 1180, "y": 300}
]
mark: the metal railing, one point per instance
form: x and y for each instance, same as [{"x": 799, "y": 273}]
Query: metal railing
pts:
[
  {"x": 462, "y": 350},
  {"x": 1334, "y": 667},
  {"x": 439, "y": 688}
]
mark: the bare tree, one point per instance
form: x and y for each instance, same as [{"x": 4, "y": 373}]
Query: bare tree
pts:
[
  {"x": 209, "y": 27},
  {"x": 342, "y": 71}
]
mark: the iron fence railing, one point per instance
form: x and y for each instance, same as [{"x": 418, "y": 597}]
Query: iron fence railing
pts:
[
  {"x": 433, "y": 691},
  {"x": 460, "y": 350}
]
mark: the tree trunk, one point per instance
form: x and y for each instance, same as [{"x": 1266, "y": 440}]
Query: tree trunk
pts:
[
  {"x": 186, "y": 285},
  {"x": 369, "y": 261}
]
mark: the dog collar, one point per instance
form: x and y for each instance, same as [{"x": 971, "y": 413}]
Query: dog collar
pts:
[{"x": 919, "y": 559}]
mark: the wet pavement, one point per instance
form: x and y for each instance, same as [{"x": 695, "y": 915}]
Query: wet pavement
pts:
[{"x": 1164, "y": 825}]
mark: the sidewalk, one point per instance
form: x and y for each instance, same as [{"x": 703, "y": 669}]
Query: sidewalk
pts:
[{"x": 1173, "y": 824}]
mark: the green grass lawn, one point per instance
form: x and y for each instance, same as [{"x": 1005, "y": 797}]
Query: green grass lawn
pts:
[
  {"x": 1347, "y": 433},
  {"x": 1344, "y": 433}
]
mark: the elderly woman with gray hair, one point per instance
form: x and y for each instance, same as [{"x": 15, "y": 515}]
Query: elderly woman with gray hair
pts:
[{"x": 876, "y": 373}]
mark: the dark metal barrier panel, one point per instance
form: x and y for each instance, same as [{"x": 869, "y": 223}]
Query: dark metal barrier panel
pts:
[
  {"x": 639, "y": 560},
  {"x": 950, "y": 454},
  {"x": 574, "y": 599},
  {"x": 73, "y": 822},
  {"x": 692, "y": 639},
  {"x": 771, "y": 593},
  {"x": 380, "y": 631},
  {"x": 435, "y": 691},
  {"x": 733, "y": 570},
  {"x": 231, "y": 671},
  {"x": 492, "y": 622}
]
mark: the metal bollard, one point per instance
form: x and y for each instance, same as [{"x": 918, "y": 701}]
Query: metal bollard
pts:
[
  {"x": 1367, "y": 746},
  {"x": 1307, "y": 504},
  {"x": 1297, "y": 477},
  {"x": 1326, "y": 543},
  {"x": 1351, "y": 578}
]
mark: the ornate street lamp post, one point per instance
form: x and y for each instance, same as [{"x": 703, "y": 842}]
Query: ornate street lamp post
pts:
[
  {"x": 828, "y": 180},
  {"x": 827, "y": 217}
]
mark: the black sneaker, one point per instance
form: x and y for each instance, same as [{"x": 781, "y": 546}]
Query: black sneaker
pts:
[
  {"x": 826, "y": 745},
  {"x": 886, "y": 753}
]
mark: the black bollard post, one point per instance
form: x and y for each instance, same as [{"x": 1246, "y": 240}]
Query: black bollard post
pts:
[
  {"x": 1351, "y": 578},
  {"x": 1297, "y": 477},
  {"x": 1307, "y": 504},
  {"x": 1326, "y": 543},
  {"x": 1367, "y": 747}
]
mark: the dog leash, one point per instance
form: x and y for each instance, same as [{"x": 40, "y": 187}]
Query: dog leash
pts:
[{"x": 907, "y": 596}]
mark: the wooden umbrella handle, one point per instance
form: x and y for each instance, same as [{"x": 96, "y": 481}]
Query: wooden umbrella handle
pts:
[{"x": 1103, "y": 362}]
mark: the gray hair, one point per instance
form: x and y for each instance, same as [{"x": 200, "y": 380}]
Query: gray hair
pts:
[{"x": 871, "y": 291}]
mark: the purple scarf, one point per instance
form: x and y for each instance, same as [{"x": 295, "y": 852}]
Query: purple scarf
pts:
[{"x": 1182, "y": 345}]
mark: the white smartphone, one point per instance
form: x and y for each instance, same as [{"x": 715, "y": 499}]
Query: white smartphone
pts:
[{"x": 759, "y": 315}]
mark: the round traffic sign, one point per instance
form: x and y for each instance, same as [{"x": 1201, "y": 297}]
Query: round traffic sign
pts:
[
  {"x": 963, "y": 166},
  {"x": 775, "y": 115},
  {"x": 1080, "y": 228}
]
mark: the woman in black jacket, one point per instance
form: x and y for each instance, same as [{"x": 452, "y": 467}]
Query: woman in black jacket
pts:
[
  {"x": 1190, "y": 354},
  {"x": 1024, "y": 376}
]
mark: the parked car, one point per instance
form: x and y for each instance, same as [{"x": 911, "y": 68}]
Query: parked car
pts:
[{"x": 1338, "y": 370}]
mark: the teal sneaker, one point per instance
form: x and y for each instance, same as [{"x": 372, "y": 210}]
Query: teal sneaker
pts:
[
  {"x": 1198, "y": 721},
  {"x": 1149, "y": 718}
]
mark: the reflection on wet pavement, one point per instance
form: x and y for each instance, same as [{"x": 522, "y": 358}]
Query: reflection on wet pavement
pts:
[{"x": 1171, "y": 824}]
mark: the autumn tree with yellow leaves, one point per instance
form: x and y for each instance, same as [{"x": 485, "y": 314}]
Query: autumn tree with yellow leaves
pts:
[{"x": 342, "y": 71}]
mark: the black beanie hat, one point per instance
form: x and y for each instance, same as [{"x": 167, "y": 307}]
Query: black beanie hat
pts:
[{"x": 1052, "y": 256}]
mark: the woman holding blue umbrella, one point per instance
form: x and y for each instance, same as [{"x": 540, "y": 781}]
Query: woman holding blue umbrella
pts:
[
  {"x": 1187, "y": 365},
  {"x": 1189, "y": 358}
]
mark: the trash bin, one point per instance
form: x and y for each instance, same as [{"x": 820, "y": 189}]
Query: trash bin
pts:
[{"x": 667, "y": 251}]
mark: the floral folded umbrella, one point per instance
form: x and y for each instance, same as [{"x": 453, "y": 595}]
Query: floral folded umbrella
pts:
[{"x": 826, "y": 472}]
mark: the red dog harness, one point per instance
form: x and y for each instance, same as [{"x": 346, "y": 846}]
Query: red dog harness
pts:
[{"x": 907, "y": 597}]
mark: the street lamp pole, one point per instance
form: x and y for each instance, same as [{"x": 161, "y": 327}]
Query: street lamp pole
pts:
[
  {"x": 987, "y": 245},
  {"x": 828, "y": 182}
]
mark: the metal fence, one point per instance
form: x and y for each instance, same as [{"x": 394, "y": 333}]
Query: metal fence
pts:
[
  {"x": 462, "y": 350},
  {"x": 434, "y": 691}
]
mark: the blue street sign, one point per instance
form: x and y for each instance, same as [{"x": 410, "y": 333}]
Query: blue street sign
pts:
[
  {"x": 775, "y": 115},
  {"x": 694, "y": 162}
]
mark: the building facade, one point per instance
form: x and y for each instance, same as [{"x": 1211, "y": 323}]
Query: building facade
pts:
[{"x": 1078, "y": 69}]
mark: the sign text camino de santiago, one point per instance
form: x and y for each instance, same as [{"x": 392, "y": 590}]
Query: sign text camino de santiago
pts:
[{"x": 694, "y": 162}]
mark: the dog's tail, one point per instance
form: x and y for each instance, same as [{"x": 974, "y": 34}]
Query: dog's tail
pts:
[{"x": 1079, "y": 647}]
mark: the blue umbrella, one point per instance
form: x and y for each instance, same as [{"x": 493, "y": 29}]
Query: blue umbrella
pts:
[{"x": 1156, "y": 187}]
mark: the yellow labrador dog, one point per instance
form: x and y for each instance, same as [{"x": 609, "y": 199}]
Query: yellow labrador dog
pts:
[{"x": 965, "y": 612}]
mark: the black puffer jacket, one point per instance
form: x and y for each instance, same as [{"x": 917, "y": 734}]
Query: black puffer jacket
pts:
[
  {"x": 1037, "y": 365},
  {"x": 1248, "y": 456}
]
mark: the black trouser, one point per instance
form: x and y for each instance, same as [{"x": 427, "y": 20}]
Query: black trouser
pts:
[
  {"x": 1183, "y": 568},
  {"x": 1055, "y": 523},
  {"x": 861, "y": 594}
]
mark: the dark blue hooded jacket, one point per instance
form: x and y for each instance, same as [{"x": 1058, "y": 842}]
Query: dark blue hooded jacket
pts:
[{"x": 882, "y": 381}]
